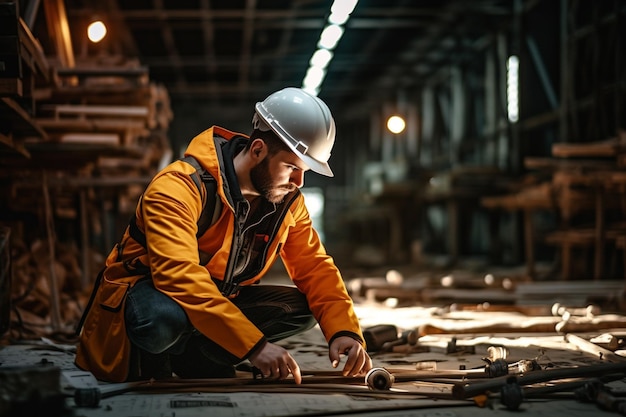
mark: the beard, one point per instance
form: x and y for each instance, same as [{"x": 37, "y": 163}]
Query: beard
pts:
[{"x": 264, "y": 184}]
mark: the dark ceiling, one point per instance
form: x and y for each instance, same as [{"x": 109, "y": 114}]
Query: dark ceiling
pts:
[{"x": 224, "y": 55}]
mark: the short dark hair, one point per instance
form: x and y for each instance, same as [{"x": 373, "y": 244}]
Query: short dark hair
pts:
[{"x": 271, "y": 139}]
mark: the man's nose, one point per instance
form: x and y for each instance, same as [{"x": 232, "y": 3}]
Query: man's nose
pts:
[{"x": 297, "y": 177}]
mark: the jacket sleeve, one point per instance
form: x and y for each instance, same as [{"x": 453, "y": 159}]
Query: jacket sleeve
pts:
[
  {"x": 314, "y": 272},
  {"x": 170, "y": 210}
]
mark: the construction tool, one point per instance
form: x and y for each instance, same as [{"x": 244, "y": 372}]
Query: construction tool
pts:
[
  {"x": 376, "y": 336},
  {"x": 595, "y": 391},
  {"x": 406, "y": 342},
  {"x": 472, "y": 389},
  {"x": 593, "y": 349}
]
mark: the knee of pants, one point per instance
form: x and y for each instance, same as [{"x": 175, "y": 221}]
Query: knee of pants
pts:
[
  {"x": 155, "y": 326},
  {"x": 307, "y": 321}
]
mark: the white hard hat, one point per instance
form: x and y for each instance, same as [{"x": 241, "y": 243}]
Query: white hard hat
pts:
[{"x": 303, "y": 122}]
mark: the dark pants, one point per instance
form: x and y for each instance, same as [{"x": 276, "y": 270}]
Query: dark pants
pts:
[{"x": 157, "y": 325}]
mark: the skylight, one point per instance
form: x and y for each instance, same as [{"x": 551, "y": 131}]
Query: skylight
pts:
[{"x": 339, "y": 14}]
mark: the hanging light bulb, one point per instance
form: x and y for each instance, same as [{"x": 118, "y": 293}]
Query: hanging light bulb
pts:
[
  {"x": 96, "y": 31},
  {"x": 396, "y": 124}
]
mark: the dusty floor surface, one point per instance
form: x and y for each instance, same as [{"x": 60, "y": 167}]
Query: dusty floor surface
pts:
[{"x": 451, "y": 339}]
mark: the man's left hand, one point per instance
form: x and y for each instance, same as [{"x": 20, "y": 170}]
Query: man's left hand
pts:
[{"x": 358, "y": 362}]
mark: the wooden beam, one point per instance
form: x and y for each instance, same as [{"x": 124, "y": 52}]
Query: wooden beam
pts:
[
  {"x": 59, "y": 29},
  {"x": 20, "y": 121},
  {"x": 606, "y": 148},
  {"x": 95, "y": 110},
  {"x": 100, "y": 125}
]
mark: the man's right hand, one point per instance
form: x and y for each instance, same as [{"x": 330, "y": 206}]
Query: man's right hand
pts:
[{"x": 274, "y": 361}]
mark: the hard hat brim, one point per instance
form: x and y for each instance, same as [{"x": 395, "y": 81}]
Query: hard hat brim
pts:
[{"x": 316, "y": 166}]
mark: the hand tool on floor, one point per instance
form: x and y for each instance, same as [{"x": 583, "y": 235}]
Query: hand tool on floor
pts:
[
  {"x": 91, "y": 396},
  {"x": 584, "y": 389},
  {"x": 406, "y": 342},
  {"x": 498, "y": 366},
  {"x": 383, "y": 379},
  {"x": 586, "y": 346},
  {"x": 472, "y": 389},
  {"x": 376, "y": 336},
  {"x": 452, "y": 348},
  {"x": 566, "y": 312},
  {"x": 595, "y": 391}
]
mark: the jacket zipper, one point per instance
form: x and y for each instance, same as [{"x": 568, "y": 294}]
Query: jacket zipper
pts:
[{"x": 229, "y": 283}]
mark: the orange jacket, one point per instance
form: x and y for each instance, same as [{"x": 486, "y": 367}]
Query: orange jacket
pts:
[{"x": 168, "y": 216}]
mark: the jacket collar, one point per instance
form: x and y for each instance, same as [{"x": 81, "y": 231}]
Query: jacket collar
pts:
[{"x": 227, "y": 150}]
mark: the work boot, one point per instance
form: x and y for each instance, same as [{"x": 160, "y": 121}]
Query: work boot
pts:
[
  {"x": 202, "y": 358},
  {"x": 154, "y": 366}
]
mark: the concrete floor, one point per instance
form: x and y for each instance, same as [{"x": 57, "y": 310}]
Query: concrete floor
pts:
[{"x": 432, "y": 353}]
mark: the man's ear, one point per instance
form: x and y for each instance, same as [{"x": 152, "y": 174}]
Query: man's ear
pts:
[{"x": 258, "y": 148}]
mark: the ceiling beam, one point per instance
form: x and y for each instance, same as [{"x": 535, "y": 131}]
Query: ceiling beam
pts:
[{"x": 209, "y": 59}]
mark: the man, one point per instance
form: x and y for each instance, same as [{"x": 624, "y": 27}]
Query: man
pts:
[{"x": 171, "y": 302}]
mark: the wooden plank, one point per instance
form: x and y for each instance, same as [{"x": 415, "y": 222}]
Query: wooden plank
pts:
[
  {"x": 111, "y": 93},
  {"x": 587, "y": 346},
  {"x": 536, "y": 163},
  {"x": 521, "y": 324},
  {"x": 106, "y": 125},
  {"x": 107, "y": 75},
  {"x": 111, "y": 139},
  {"x": 578, "y": 237},
  {"x": 32, "y": 51},
  {"x": 533, "y": 197},
  {"x": 95, "y": 110},
  {"x": 601, "y": 178},
  {"x": 605, "y": 148},
  {"x": 14, "y": 115}
]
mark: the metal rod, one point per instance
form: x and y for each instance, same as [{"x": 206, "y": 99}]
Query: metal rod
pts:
[{"x": 461, "y": 391}]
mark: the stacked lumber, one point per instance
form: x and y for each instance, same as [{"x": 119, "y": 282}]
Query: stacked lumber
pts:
[
  {"x": 590, "y": 199},
  {"x": 108, "y": 102},
  {"x": 104, "y": 128},
  {"x": 77, "y": 145},
  {"x": 586, "y": 189},
  {"x": 23, "y": 68}
]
